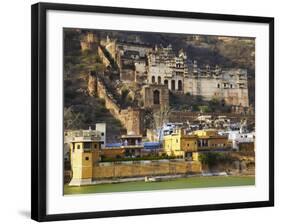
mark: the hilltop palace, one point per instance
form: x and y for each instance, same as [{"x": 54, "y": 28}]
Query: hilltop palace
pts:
[{"x": 159, "y": 68}]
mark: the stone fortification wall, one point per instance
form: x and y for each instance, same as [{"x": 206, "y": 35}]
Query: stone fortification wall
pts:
[
  {"x": 103, "y": 57},
  {"x": 131, "y": 118}
]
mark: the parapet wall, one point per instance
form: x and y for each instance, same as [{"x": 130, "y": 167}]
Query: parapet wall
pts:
[
  {"x": 151, "y": 168},
  {"x": 179, "y": 116},
  {"x": 130, "y": 118},
  {"x": 104, "y": 59}
]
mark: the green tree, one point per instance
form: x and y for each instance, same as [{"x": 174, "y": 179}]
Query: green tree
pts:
[
  {"x": 204, "y": 109},
  {"x": 149, "y": 119},
  {"x": 161, "y": 116}
]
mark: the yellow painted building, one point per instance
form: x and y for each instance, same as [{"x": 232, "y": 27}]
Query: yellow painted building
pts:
[
  {"x": 181, "y": 145},
  {"x": 209, "y": 139},
  {"x": 84, "y": 153},
  {"x": 187, "y": 146}
]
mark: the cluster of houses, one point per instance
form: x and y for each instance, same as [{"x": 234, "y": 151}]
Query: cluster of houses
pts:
[
  {"x": 87, "y": 149},
  {"x": 174, "y": 141}
]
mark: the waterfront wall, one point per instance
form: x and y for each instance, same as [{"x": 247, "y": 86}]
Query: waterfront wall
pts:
[{"x": 147, "y": 168}]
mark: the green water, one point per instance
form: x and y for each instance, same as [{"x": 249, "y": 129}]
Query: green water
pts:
[{"x": 181, "y": 183}]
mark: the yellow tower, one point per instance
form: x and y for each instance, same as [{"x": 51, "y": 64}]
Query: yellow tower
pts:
[{"x": 84, "y": 153}]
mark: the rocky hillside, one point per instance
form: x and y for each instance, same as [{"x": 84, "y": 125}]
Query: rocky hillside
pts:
[{"x": 80, "y": 109}]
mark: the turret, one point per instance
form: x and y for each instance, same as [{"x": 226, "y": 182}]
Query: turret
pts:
[{"x": 84, "y": 154}]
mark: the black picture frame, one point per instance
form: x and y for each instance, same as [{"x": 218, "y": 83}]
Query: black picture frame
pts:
[{"x": 38, "y": 108}]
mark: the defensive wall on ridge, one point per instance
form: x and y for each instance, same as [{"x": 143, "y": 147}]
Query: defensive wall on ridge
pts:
[{"x": 130, "y": 118}]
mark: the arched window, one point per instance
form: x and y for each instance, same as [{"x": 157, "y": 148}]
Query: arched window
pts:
[
  {"x": 166, "y": 82},
  {"x": 179, "y": 85},
  {"x": 156, "y": 97},
  {"x": 218, "y": 85},
  {"x": 159, "y": 80},
  {"x": 173, "y": 84},
  {"x": 153, "y": 79}
]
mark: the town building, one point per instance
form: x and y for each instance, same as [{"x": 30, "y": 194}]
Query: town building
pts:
[
  {"x": 187, "y": 145},
  {"x": 100, "y": 131},
  {"x": 240, "y": 139},
  {"x": 180, "y": 144},
  {"x": 210, "y": 139},
  {"x": 132, "y": 144}
]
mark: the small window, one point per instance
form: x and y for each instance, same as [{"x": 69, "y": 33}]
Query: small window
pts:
[
  {"x": 173, "y": 84},
  {"x": 231, "y": 86},
  {"x": 87, "y": 145},
  {"x": 180, "y": 85},
  {"x": 78, "y": 146},
  {"x": 156, "y": 97},
  {"x": 159, "y": 80},
  {"x": 95, "y": 146},
  {"x": 102, "y": 134},
  {"x": 86, "y": 158},
  {"x": 218, "y": 85}
]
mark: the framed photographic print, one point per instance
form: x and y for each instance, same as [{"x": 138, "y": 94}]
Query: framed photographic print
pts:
[{"x": 139, "y": 111}]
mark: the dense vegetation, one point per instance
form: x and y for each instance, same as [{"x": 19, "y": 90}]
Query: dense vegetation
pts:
[{"x": 187, "y": 102}]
